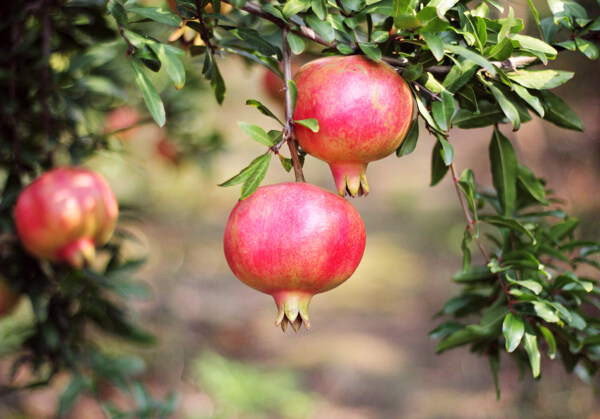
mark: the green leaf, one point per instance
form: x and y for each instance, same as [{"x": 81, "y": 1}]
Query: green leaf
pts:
[
  {"x": 257, "y": 41},
  {"x": 296, "y": 43},
  {"x": 587, "y": 47},
  {"x": 531, "y": 184},
  {"x": 544, "y": 312},
  {"x": 403, "y": 7},
  {"x": 262, "y": 109},
  {"x": 540, "y": 79},
  {"x": 319, "y": 7},
  {"x": 531, "y": 347},
  {"x": 458, "y": 338},
  {"x": 561, "y": 230},
  {"x": 505, "y": 28},
  {"x": 442, "y": 6},
  {"x": 559, "y": 113},
  {"x": 513, "y": 330},
  {"x": 472, "y": 56},
  {"x": 535, "y": 14},
  {"x": 443, "y": 110},
  {"x": 118, "y": 12},
  {"x": 322, "y": 27},
  {"x": 447, "y": 150},
  {"x": 71, "y": 394},
  {"x": 293, "y": 7},
  {"x": 218, "y": 84},
  {"x": 272, "y": 10},
  {"x": 445, "y": 329},
  {"x": 256, "y": 176},
  {"x": 530, "y": 43},
  {"x": 467, "y": 99},
  {"x": 488, "y": 115},
  {"x": 494, "y": 362},
  {"x": 438, "y": 167},
  {"x": 256, "y": 133},
  {"x": 286, "y": 163},
  {"x": 410, "y": 141},
  {"x": 151, "y": 98},
  {"x": 380, "y": 36},
  {"x": 170, "y": 58},
  {"x": 529, "y": 284},
  {"x": 245, "y": 172},
  {"x": 157, "y": 14},
  {"x": 293, "y": 92},
  {"x": 510, "y": 223},
  {"x": 506, "y": 105},
  {"x": 504, "y": 168},
  {"x": 311, "y": 123},
  {"x": 474, "y": 274},
  {"x": 435, "y": 44},
  {"x": 549, "y": 340},
  {"x": 412, "y": 72},
  {"x": 371, "y": 51},
  {"x": 531, "y": 100},
  {"x": 425, "y": 113}
]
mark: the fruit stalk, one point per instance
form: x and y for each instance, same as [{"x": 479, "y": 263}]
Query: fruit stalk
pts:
[{"x": 288, "y": 130}]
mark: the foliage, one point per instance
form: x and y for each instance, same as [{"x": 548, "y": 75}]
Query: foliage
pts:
[{"x": 470, "y": 65}]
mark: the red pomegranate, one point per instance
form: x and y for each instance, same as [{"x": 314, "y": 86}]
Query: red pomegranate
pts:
[
  {"x": 122, "y": 122},
  {"x": 364, "y": 110},
  {"x": 64, "y": 214},
  {"x": 292, "y": 241}
]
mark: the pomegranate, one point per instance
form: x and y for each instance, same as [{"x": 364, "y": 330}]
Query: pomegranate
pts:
[
  {"x": 122, "y": 122},
  {"x": 64, "y": 214},
  {"x": 292, "y": 241},
  {"x": 364, "y": 110}
]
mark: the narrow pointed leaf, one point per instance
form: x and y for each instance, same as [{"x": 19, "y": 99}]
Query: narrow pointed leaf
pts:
[
  {"x": 504, "y": 171},
  {"x": 151, "y": 97},
  {"x": 410, "y": 142},
  {"x": 262, "y": 109},
  {"x": 311, "y": 123},
  {"x": 256, "y": 176},
  {"x": 513, "y": 330},
  {"x": 256, "y": 133}
]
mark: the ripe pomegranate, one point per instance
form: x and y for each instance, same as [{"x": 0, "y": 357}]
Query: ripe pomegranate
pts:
[
  {"x": 64, "y": 214},
  {"x": 8, "y": 297},
  {"x": 122, "y": 122},
  {"x": 292, "y": 241},
  {"x": 364, "y": 110}
]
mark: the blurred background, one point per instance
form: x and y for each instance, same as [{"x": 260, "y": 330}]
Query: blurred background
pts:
[{"x": 367, "y": 354}]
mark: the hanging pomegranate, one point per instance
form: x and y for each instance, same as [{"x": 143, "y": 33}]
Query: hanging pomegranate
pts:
[
  {"x": 64, "y": 214},
  {"x": 292, "y": 241},
  {"x": 364, "y": 110}
]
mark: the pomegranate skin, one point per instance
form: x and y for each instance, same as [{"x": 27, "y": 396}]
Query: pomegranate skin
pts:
[
  {"x": 64, "y": 214},
  {"x": 292, "y": 241},
  {"x": 364, "y": 110}
]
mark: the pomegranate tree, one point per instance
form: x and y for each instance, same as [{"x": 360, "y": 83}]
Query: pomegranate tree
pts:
[
  {"x": 292, "y": 241},
  {"x": 64, "y": 214},
  {"x": 364, "y": 110}
]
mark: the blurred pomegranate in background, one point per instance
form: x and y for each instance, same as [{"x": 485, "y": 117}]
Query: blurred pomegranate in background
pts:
[
  {"x": 168, "y": 150},
  {"x": 292, "y": 241},
  {"x": 273, "y": 84},
  {"x": 64, "y": 214},
  {"x": 122, "y": 122}
]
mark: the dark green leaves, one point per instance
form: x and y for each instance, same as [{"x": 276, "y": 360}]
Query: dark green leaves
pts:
[
  {"x": 151, "y": 97},
  {"x": 118, "y": 12},
  {"x": 504, "y": 171},
  {"x": 262, "y": 109},
  {"x": 513, "y": 330},
  {"x": 443, "y": 110},
  {"x": 410, "y": 142},
  {"x": 156, "y": 14},
  {"x": 558, "y": 112}
]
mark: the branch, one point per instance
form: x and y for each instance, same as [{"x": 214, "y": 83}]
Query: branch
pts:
[
  {"x": 204, "y": 33},
  {"x": 130, "y": 47},
  {"x": 302, "y": 30},
  {"x": 471, "y": 226},
  {"x": 288, "y": 130}
]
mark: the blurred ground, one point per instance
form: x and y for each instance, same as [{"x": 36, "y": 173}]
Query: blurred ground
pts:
[{"x": 367, "y": 354}]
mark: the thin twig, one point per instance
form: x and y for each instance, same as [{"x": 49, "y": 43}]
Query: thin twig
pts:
[
  {"x": 204, "y": 32},
  {"x": 130, "y": 47},
  {"x": 471, "y": 226},
  {"x": 288, "y": 130}
]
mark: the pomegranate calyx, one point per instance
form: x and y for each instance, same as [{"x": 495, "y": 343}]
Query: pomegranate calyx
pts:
[
  {"x": 350, "y": 178},
  {"x": 79, "y": 253},
  {"x": 293, "y": 309}
]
